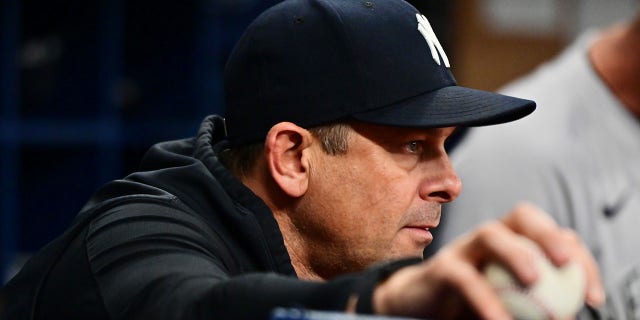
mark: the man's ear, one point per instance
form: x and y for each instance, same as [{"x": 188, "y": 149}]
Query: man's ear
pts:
[{"x": 287, "y": 151}]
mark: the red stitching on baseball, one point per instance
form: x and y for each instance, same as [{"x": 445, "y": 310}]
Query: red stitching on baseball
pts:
[{"x": 537, "y": 302}]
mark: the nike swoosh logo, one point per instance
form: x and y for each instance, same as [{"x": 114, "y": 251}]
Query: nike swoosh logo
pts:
[{"x": 612, "y": 209}]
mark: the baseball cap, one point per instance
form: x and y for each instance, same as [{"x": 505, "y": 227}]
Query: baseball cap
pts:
[{"x": 312, "y": 62}]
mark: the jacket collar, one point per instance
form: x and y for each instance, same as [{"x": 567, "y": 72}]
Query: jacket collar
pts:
[{"x": 249, "y": 208}]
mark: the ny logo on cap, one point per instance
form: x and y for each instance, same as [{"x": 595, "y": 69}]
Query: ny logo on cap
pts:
[{"x": 425, "y": 28}]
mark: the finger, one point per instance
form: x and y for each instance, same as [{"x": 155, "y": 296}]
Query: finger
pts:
[
  {"x": 579, "y": 253},
  {"x": 595, "y": 293},
  {"x": 535, "y": 224},
  {"x": 596, "y": 296},
  {"x": 495, "y": 242},
  {"x": 479, "y": 294}
]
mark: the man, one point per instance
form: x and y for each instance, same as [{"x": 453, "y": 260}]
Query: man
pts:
[
  {"x": 318, "y": 190},
  {"x": 576, "y": 157}
]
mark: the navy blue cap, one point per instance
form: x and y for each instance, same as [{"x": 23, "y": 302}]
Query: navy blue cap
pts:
[{"x": 312, "y": 62}]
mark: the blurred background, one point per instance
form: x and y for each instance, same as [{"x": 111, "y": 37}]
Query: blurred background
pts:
[{"x": 87, "y": 86}]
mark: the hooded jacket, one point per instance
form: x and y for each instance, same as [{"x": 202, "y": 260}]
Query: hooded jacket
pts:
[{"x": 180, "y": 239}]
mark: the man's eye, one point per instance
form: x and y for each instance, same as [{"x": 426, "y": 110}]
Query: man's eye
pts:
[{"x": 414, "y": 147}]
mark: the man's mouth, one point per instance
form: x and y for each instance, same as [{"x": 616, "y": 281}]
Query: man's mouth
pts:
[{"x": 420, "y": 234}]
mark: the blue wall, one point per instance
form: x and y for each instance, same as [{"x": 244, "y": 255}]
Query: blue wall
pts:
[{"x": 87, "y": 86}]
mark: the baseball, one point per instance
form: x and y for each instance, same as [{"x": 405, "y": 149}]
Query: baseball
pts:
[{"x": 558, "y": 293}]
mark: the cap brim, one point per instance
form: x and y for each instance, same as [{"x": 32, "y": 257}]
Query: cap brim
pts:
[{"x": 450, "y": 106}]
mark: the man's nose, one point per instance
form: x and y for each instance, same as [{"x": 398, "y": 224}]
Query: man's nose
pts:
[{"x": 441, "y": 184}]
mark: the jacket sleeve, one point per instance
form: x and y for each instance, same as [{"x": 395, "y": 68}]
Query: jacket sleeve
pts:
[{"x": 151, "y": 263}]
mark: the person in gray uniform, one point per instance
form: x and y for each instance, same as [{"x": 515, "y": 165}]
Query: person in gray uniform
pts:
[{"x": 577, "y": 156}]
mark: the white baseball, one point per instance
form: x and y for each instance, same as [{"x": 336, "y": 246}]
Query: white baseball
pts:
[{"x": 558, "y": 294}]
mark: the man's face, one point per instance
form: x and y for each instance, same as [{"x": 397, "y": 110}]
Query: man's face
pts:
[{"x": 376, "y": 202}]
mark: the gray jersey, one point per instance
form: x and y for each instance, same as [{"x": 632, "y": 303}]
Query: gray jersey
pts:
[{"x": 577, "y": 156}]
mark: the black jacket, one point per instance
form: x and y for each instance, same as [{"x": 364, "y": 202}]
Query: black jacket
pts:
[{"x": 180, "y": 239}]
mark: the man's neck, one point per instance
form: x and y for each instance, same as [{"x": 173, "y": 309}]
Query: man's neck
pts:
[
  {"x": 615, "y": 57},
  {"x": 295, "y": 247},
  {"x": 266, "y": 189},
  {"x": 302, "y": 271}
]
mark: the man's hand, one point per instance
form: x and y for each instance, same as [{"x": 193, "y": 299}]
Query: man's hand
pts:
[{"x": 451, "y": 284}]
